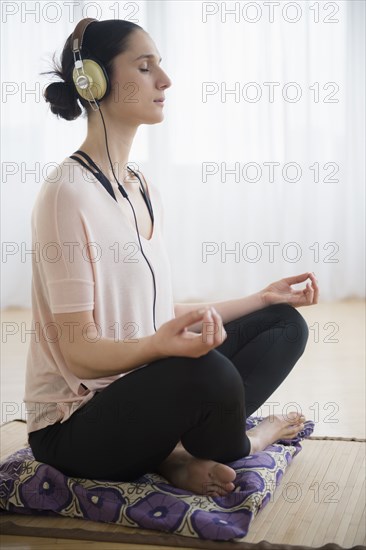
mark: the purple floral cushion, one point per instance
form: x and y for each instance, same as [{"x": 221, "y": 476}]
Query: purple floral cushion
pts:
[{"x": 31, "y": 487}]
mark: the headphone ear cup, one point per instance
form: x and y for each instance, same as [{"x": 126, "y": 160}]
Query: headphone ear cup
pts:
[{"x": 97, "y": 77}]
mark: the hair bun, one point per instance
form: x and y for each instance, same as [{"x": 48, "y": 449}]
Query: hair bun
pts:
[{"x": 62, "y": 97}]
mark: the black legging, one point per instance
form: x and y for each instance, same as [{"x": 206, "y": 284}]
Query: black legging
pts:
[{"x": 132, "y": 425}]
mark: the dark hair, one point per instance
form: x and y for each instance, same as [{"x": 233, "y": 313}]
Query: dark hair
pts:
[{"x": 103, "y": 41}]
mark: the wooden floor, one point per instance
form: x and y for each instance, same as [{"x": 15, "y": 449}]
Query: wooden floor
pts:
[{"x": 327, "y": 384}]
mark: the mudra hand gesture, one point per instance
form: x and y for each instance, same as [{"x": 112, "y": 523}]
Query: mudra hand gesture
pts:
[{"x": 281, "y": 292}]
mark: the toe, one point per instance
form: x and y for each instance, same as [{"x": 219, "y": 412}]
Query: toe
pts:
[
  {"x": 300, "y": 419},
  {"x": 208, "y": 488},
  {"x": 226, "y": 487},
  {"x": 297, "y": 429},
  {"x": 220, "y": 489},
  {"x": 295, "y": 417}
]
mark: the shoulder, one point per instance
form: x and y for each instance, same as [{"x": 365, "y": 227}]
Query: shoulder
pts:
[
  {"x": 67, "y": 179},
  {"x": 71, "y": 175},
  {"x": 64, "y": 189}
]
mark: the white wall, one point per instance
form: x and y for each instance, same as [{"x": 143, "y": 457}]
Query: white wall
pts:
[{"x": 324, "y": 220}]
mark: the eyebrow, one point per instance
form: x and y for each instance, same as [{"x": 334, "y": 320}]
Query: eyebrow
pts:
[{"x": 148, "y": 56}]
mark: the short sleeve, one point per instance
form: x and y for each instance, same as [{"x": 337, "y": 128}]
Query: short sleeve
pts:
[{"x": 64, "y": 262}]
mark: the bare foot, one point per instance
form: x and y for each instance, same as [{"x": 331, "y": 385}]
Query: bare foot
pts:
[
  {"x": 275, "y": 427},
  {"x": 201, "y": 476},
  {"x": 210, "y": 478}
]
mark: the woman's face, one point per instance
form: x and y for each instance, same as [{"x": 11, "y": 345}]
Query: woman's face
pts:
[{"x": 137, "y": 83}]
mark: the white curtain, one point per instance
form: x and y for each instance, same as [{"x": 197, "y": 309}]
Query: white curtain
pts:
[{"x": 259, "y": 159}]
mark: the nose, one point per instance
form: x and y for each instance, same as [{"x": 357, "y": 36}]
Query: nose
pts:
[{"x": 164, "y": 81}]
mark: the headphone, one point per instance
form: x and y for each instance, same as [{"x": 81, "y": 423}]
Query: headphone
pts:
[
  {"x": 89, "y": 75},
  {"x": 92, "y": 84}
]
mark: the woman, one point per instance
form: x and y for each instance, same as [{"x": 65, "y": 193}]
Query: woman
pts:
[{"x": 120, "y": 380}]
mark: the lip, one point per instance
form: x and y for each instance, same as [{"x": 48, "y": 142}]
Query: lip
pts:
[{"x": 159, "y": 100}]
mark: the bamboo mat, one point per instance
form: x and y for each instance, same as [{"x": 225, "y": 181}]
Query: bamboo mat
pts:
[{"x": 320, "y": 500}]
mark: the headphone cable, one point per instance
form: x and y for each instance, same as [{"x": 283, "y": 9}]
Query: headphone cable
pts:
[{"x": 133, "y": 210}]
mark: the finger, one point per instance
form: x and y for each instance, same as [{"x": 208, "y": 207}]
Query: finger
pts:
[
  {"x": 309, "y": 294},
  {"x": 220, "y": 333},
  {"x": 208, "y": 329},
  {"x": 215, "y": 327},
  {"x": 194, "y": 346},
  {"x": 314, "y": 282},
  {"x": 189, "y": 318},
  {"x": 297, "y": 278}
]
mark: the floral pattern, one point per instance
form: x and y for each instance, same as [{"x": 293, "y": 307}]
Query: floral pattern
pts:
[{"x": 31, "y": 487}]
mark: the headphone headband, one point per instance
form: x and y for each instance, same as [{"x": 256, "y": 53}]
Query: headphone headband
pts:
[{"x": 78, "y": 34}]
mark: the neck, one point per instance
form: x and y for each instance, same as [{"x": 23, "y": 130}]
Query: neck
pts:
[{"x": 120, "y": 137}]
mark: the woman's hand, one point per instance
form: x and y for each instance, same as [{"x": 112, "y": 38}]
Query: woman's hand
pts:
[
  {"x": 281, "y": 292},
  {"x": 173, "y": 338}
]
